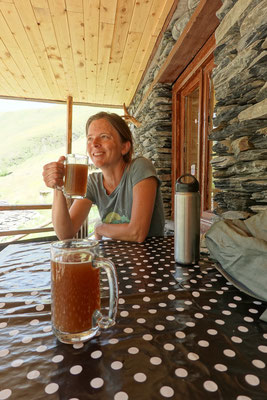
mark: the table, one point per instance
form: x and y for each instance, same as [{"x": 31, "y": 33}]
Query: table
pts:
[{"x": 181, "y": 333}]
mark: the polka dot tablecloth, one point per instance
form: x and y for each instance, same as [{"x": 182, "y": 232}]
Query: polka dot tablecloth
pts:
[{"x": 181, "y": 332}]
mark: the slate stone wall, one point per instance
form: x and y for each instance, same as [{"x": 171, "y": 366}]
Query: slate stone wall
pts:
[
  {"x": 240, "y": 134},
  {"x": 240, "y": 120}
]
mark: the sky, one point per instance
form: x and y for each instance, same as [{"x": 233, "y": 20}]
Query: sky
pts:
[{"x": 14, "y": 105}]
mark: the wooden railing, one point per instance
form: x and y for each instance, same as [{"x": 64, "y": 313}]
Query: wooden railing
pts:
[
  {"x": 40, "y": 229},
  {"x": 43, "y": 228}
]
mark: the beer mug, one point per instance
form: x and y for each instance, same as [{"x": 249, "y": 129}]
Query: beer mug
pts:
[
  {"x": 76, "y": 173},
  {"x": 75, "y": 290}
]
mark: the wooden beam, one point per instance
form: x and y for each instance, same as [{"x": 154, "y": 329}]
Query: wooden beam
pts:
[
  {"x": 26, "y": 207},
  {"x": 69, "y": 124},
  {"x": 25, "y": 231},
  {"x": 200, "y": 27}
]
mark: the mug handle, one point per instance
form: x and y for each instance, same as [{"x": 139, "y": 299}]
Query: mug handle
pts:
[
  {"x": 106, "y": 321},
  {"x": 61, "y": 188}
]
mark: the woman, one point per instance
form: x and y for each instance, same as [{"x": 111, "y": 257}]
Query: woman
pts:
[{"x": 126, "y": 191}]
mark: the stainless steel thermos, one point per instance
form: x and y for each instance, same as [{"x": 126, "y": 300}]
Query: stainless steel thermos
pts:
[{"x": 187, "y": 220}]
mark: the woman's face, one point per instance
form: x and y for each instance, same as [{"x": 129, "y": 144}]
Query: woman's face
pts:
[{"x": 104, "y": 144}]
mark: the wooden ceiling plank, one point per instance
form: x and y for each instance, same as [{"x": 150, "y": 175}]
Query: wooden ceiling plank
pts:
[
  {"x": 108, "y": 11},
  {"x": 26, "y": 32},
  {"x": 111, "y": 80},
  {"x": 127, "y": 62},
  {"x": 47, "y": 32},
  {"x": 91, "y": 28},
  {"x": 30, "y": 71},
  {"x": 122, "y": 24},
  {"x": 76, "y": 29},
  {"x": 61, "y": 27},
  {"x": 74, "y": 5},
  {"x": 159, "y": 11},
  {"x": 104, "y": 47},
  {"x": 8, "y": 81},
  {"x": 141, "y": 12},
  {"x": 12, "y": 68}
]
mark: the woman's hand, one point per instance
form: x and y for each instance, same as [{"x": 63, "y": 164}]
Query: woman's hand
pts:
[{"x": 53, "y": 173}]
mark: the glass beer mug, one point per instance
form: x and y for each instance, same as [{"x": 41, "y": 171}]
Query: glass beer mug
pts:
[{"x": 75, "y": 290}]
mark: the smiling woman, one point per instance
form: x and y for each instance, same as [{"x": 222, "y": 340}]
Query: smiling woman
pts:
[{"x": 126, "y": 192}]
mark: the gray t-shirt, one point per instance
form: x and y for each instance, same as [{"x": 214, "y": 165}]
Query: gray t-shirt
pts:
[{"x": 116, "y": 208}]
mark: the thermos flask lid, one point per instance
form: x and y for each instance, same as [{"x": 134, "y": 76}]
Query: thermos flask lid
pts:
[{"x": 187, "y": 183}]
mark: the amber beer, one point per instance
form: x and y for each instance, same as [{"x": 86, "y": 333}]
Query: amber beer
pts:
[
  {"x": 76, "y": 295},
  {"x": 76, "y": 180}
]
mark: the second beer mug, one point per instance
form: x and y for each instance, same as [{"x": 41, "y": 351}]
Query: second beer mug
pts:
[{"x": 75, "y": 290}]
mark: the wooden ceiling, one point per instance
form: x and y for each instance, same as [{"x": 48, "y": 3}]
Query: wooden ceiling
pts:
[{"x": 93, "y": 50}]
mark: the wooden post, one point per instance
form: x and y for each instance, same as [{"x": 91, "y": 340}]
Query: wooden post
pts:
[{"x": 69, "y": 125}]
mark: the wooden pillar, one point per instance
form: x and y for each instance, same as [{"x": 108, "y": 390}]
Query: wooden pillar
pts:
[{"x": 69, "y": 124}]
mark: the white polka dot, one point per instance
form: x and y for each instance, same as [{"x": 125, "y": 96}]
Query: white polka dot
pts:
[
  {"x": 263, "y": 349},
  {"x": 237, "y": 298},
  {"x": 162, "y": 305},
  {"x": 210, "y": 386},
  {"x": 152, "y": 311},
  {"x": 169, "y": 347},
  {"x": 206, "y": 308},
  {"x": 9, "y": 295},
  {"x": 116, "y": 365},
  {"x": 252, "y": 380},
  {"x": 47, "y": 328},
  {"x": 190, "y": 324},
  {"x": 147, "y": 337},
  {"x": 160, "y": 327},
  {"x": 253, "y": 311},
  {"x": 133, "y": 350},
  {"x": 220, "y": 367},
  {"x": 265, "y": 335},
  {"x": 124, "y": 314},
  {"x": 193, "y": 356},
  {"x": 33, "y": 374},
  {"x": 128, "y": 330},
  {"x": 181, "y": 372},
  {"x": 180, "y": 309},
  {"x": 236, "y": 339},
  {"x": 212, "y": 332},
  {"x": 78, "y": 345},
  {"x": 39, "y": 307},
  {"x": 14, "y": 332},
  {"x": 146, "y": 299},
  {"x": 76, "y": 369},
  {"x": 229, "y": 353},
  {"x": 58, "y": 358},
  {"x": 4, "y": 352},
  {"x": 203, "y": 343},
  {"x": 199, "y": 315},
  {"x": 26, "y": 339},
  {"x": 141, "y": 320},
  {"x": 226, "y": 312},
  {"x": 121, "y": 301},
  {"x": 180, "y": 335},
  {"x": 96, "y": 354},
  {"x": 34, "y": 322},
  {"x": 166, "y": 391},
  {"x": 136, "y": 306},
  {"x": 113, "y": 341},
  {"x": 3, "y": 325},
  {"x": 195, "y": 294},
  {"x": 41, "y": 349},
  {"x": 17, "y": 363},
  {"x": 258, "y": 364},
  {"x": 2, "y": 305},
  {"x": 51, "y": 388},
  {"x": 232, "y": 305},
  {"x": 243, "y": 398},
  {"x": 155, "y": 360},
  {"x": 170, "y": 318},
  {"x": 248, "y": 319},
  {"x": 97, "y": 383},
  {"x": 242, "y": 328},
  {"x": 219, "y": 322},
  {"x": 5, "y": 394},
  {"x": 121, "y": 396},
  {"x": 171, "y": 297},
  {"x": 140, "y": 377},
  {"x": 213, "y": 301}
]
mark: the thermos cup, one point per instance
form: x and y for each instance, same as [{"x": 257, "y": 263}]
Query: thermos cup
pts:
[{"x": 187, "y": 220}]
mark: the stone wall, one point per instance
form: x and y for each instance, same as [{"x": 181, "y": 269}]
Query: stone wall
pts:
[
  {"x": 240, "y": 133},
  {"x": 153, "y": 138}
]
